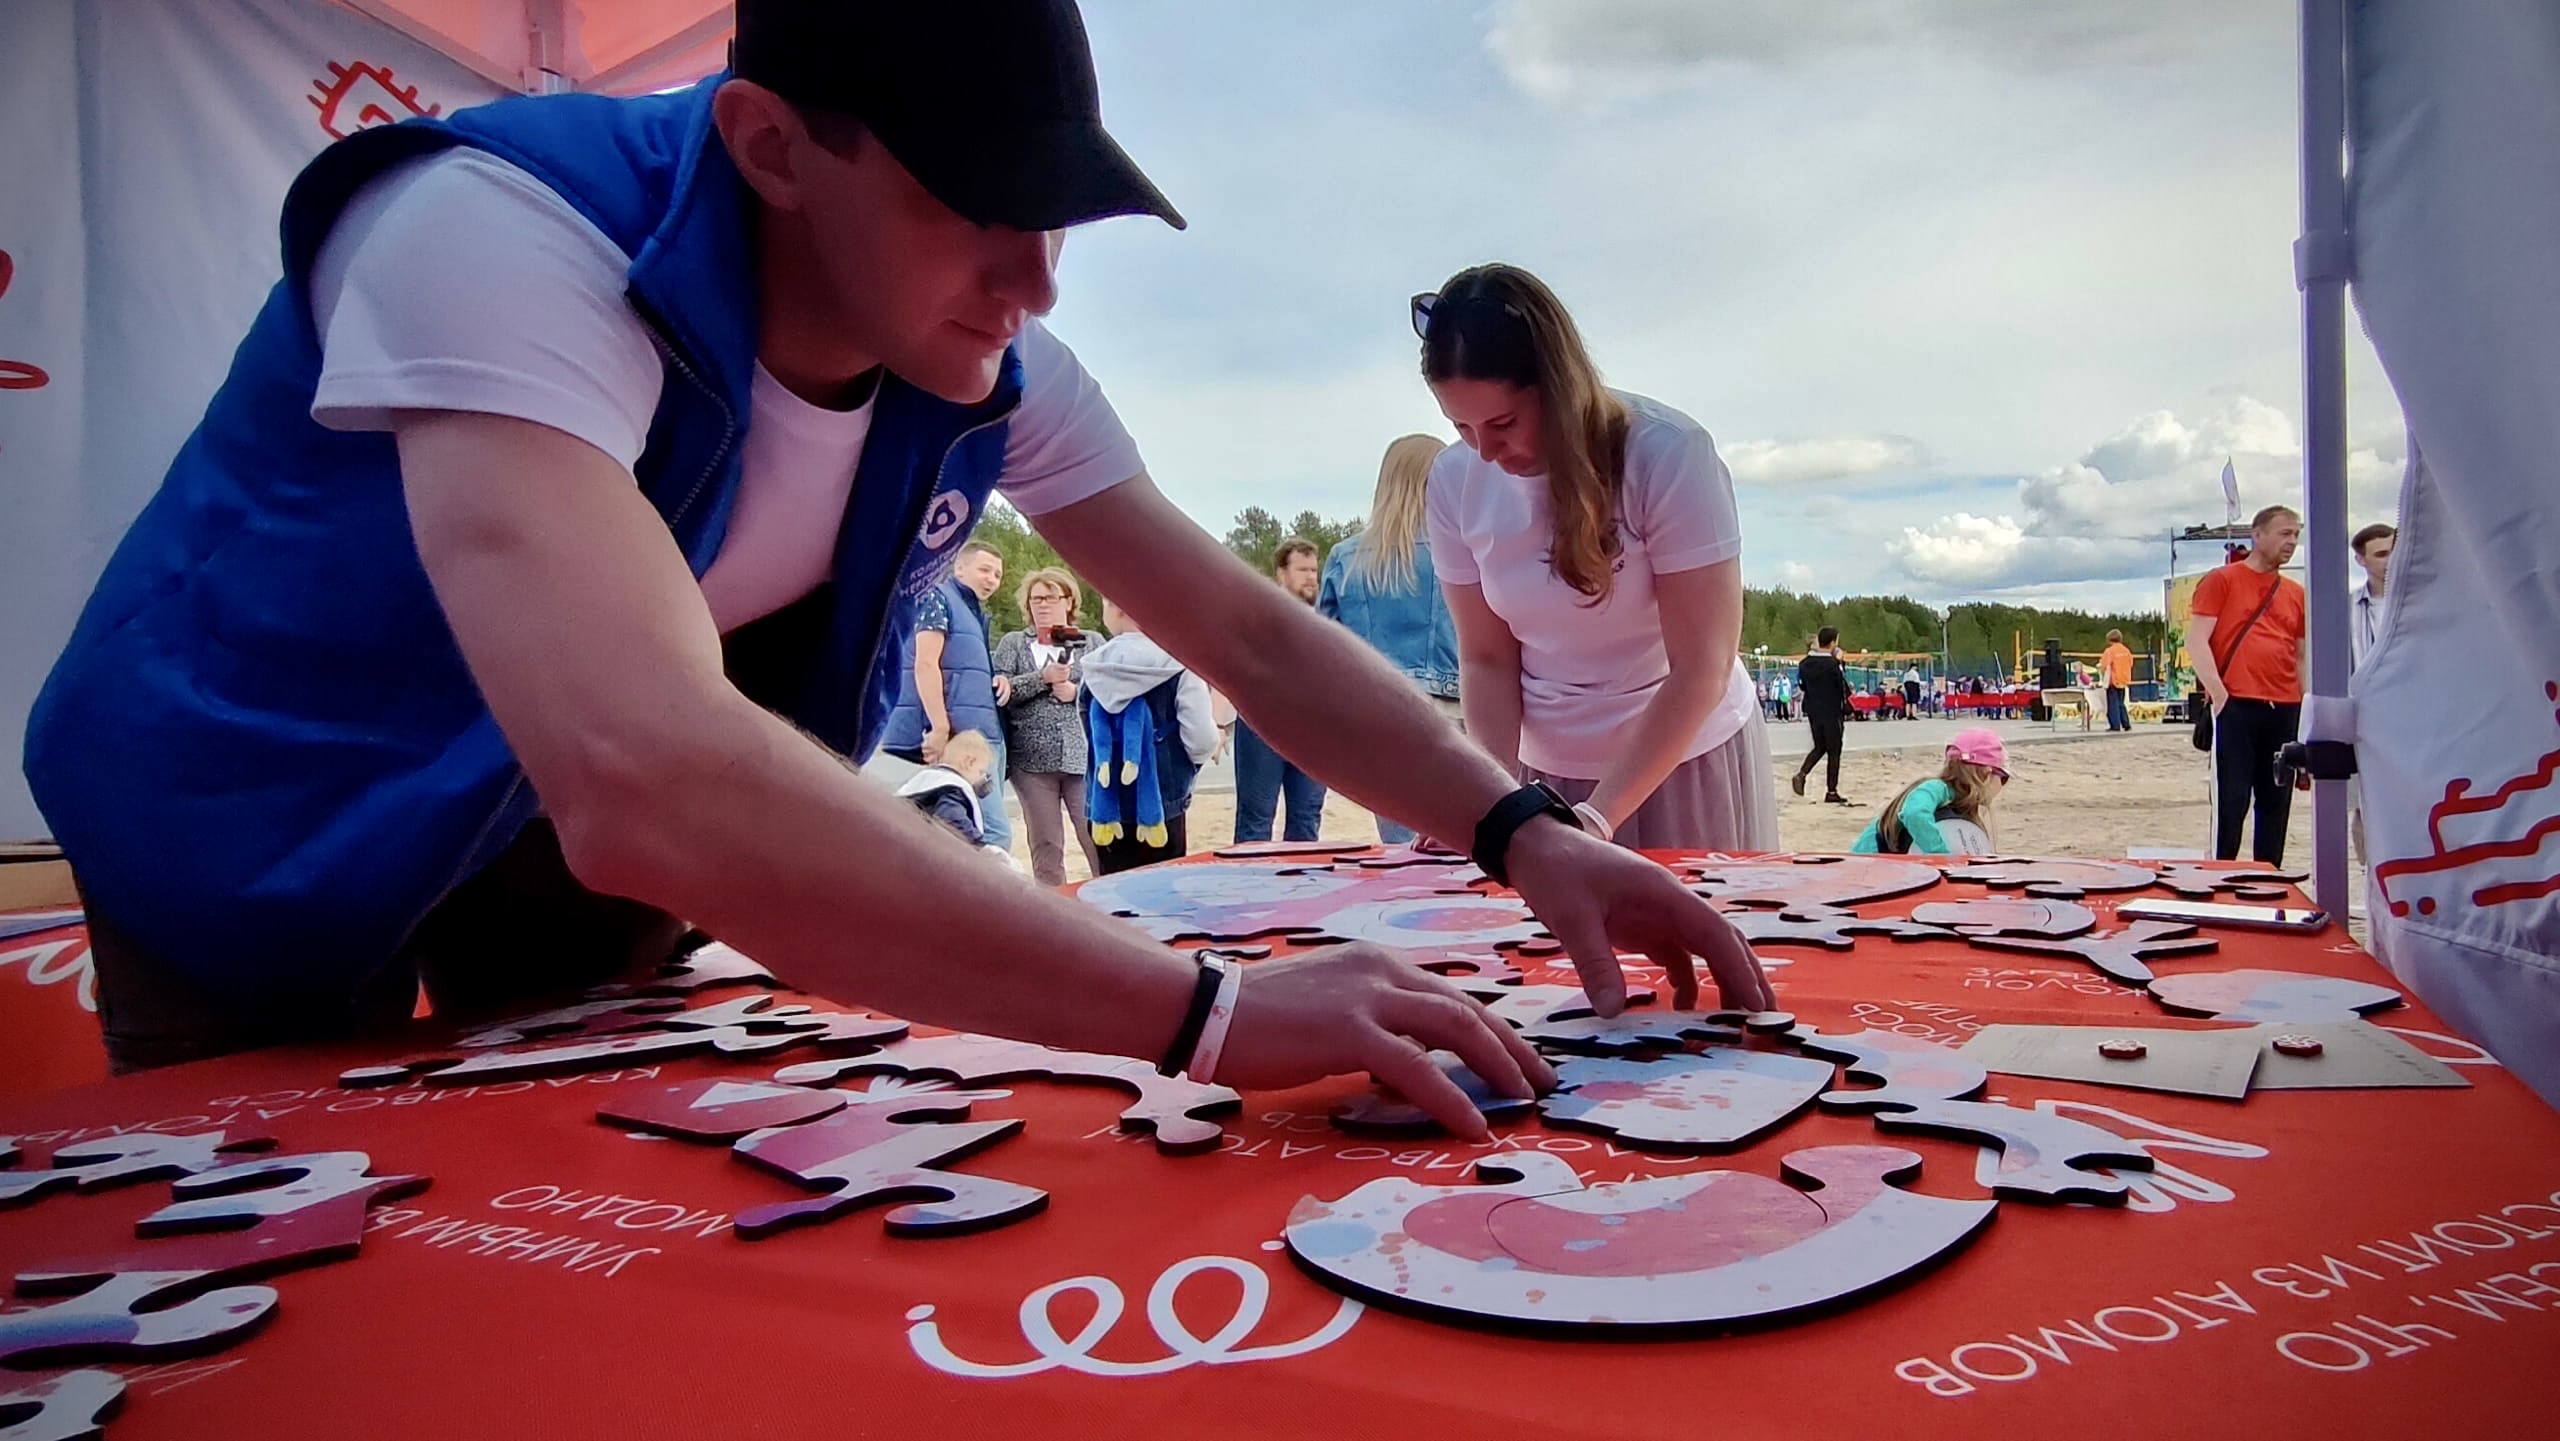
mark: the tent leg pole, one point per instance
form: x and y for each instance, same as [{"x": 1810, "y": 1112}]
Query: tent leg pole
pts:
[{"x": 2321, "y": 263}]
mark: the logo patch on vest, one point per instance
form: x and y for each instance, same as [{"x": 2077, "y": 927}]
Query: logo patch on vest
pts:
[{"x": 946, "y": 519}]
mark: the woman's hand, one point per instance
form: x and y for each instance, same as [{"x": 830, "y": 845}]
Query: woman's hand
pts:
[
  {"x": 1358, "y": 1008},
  {"x": 1054, "y": 673},
  {"x": 1599, "y": 899}
]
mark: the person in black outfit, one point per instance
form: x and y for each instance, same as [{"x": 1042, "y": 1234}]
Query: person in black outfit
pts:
[{"x": 1825, "y": 689}]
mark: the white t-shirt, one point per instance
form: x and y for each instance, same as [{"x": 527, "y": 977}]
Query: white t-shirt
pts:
[
  {"x": 1588, "y": 671},
  {"x": 459, "y": 282}
]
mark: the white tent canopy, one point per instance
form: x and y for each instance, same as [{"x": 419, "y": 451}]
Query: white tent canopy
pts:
[
  {"x": 147, "y": 165},
  {"x": 619, "y": 47}
]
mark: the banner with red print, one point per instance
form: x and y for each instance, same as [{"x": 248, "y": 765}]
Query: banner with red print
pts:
[
  {"x": 144, "y": 165},
  {"x": 2457, "y": 264}
]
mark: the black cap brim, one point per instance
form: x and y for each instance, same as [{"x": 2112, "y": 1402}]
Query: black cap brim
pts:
[{"x": 1055, "y": 175}]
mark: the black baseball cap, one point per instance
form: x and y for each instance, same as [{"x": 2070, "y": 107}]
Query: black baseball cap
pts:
[{"x": 991, "y": 104}]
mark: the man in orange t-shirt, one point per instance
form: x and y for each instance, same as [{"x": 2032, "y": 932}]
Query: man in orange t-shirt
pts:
[
  {"x": 2255, "y": 685},
  {"x": 2117, "y": 662}
]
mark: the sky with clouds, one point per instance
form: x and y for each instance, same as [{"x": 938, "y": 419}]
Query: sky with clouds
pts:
[{"x": 1977, "y": 296}]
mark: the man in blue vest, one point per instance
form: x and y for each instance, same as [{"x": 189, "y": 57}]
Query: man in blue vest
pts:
[
  {"x": 552, "y": 541},
  {"x": 949, "y": 683}
]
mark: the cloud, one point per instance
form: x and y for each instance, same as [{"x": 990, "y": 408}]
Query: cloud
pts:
[
  {"x": 1975, "y": 552},
  {"x": 1586, "y": 50},
  {"x": 1795, "y": 575},
  {"x": 2107, "y": 516},
  {"x": 1788, "y": 462}
]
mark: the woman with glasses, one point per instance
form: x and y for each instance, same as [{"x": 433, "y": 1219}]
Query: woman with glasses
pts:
[
  {"x": 1379, "y": 582},
  {"x": 1043, "y": 725},
  {"x": 1588, "y": 546}
]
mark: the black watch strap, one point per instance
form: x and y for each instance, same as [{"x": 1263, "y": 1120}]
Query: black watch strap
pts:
[
  {"x": 1204, "y": 995},
  {"x": 1509, "y": 814}
]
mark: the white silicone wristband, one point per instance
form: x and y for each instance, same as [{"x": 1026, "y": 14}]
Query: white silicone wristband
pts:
[
  {"x": 1595, "y": 822},
  {"x": 1213, "y": 1034}
]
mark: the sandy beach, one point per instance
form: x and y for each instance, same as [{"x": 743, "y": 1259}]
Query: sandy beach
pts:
[{"x": 2073, "y": 793}]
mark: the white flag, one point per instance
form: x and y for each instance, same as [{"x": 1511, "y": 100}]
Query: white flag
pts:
[{"x": 2230, "y": 490}]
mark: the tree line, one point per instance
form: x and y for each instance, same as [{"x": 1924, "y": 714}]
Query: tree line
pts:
[{"x": 1978, "y": 638}]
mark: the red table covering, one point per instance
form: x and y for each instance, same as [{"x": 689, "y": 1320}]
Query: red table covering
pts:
[{"x": 2304, "y": 1263}]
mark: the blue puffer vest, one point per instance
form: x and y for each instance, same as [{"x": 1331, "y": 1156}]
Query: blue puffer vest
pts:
[
  {"x": 261, "y": 748},
  {"x": 968, "y": 679}
]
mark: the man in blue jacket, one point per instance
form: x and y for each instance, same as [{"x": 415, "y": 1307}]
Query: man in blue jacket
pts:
[
  {"x": 949, "y": 683},
  {"x": 553, "y": 539}
]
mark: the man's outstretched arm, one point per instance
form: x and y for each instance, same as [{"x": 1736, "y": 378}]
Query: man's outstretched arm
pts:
[{"x": 591, "y": 641}]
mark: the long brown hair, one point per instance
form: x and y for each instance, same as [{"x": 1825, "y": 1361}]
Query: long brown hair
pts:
[
  {"x": 1385, "y": 556},
  {"x": 1499, "y": 322},
  {"x": 1975, "y": 787}
]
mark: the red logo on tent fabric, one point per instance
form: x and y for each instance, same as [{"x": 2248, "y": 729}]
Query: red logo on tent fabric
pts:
[
  {"x": 2488, "y": 847},
  {"x": 17, "y": 374},
  {"x": 363, "y": 95}
]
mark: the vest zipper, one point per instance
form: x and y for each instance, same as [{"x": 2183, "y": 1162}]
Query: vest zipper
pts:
[{"x": 728, "y": 417}]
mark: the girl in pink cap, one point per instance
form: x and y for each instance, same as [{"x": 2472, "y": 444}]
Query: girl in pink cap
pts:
[{"x": 1948, "y": 814}]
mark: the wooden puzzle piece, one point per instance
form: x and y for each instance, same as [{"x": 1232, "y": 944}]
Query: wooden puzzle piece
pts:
[
  {"x": 2248, "y": 883},
  {"x": 1533, "y": 1247},
  {"x": 73, "y": 1406},
  {"x": 1176, "y": 1109},
  {"x": 602, "y": 1017},
  {"x": 715, "y": 964},
  {"x": 1433, "y": 922},
  {"x": 1269, "y": 850},
  {"x": 2252, "y": 995},
  {"x": 1220, "y": 901},
  {"x": 718, "y": 1111},
  {"x": 1717, "y": 1100},
  {"x": 744, "y": 1026},
  {"x": 884, "y": 1148},
  {"x": 1384, "y": 1112},
  {"x": 1906, "y": 1069},
  {"x": 1809, "y": 882},
  {"x": 1242, "y": 901},
  {"x": 2046, "y": 920},
  {"x": 1572, "y": 1027},
  {"x": 1472, "y": 968},
  {"x": 1828, "y": 928},
  {"x": 121, "y": 1160},
  {"x": 36, "y": 922},
  {"x": 2043, "y": 1157},
  {"x": 2052, "y": 879},
  {"x": 161, "y": 1300},
  {"x": 244, "y": 1222},
  {"x": 2120, "y": 954},
  {"x": 1397, "y": 857}
]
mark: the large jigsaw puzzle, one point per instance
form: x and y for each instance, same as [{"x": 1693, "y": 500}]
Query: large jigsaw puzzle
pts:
[
  {"x": 1536, "y": 1248},
  {"x": 1243, "y": 900},
  {"x": 123, "y": 1160}
]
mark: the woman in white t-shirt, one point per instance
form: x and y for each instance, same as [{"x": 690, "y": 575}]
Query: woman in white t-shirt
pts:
[{"x": 1587, "y": 543}]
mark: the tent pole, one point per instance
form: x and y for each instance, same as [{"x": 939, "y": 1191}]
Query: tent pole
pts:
[{"x": 2321, "y": 260}]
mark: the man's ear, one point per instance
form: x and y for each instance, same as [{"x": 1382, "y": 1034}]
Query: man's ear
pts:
[{"x": 763, "y": 134}]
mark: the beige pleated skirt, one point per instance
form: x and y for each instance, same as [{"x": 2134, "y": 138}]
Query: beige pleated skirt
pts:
[{"x": 1725, "y": 800}]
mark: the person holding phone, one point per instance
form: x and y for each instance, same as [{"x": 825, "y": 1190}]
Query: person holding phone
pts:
[{"x": 1041, "y": 666}]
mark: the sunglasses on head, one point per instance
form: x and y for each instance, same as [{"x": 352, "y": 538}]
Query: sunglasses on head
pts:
[{"x": 1428, "y": 301}]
